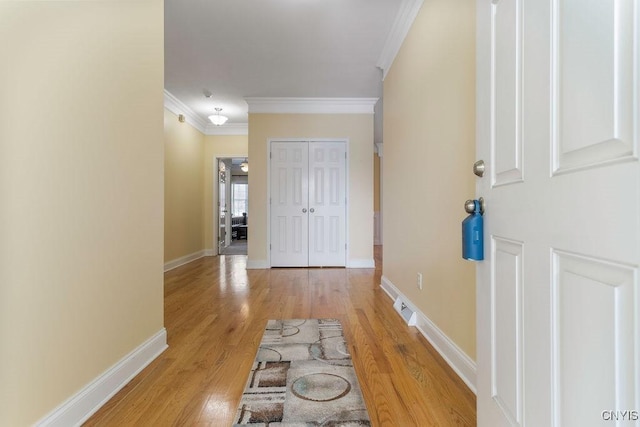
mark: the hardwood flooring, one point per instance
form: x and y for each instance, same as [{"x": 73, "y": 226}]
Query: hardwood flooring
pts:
[{"x": 215, "y": 313}]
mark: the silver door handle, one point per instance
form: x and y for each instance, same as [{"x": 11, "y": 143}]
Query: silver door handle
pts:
[
  {"x": 470, "y": 206},
  {"x": 304, "y": 210},
  {"x": 479, "y": 168},
  {"x": 312, "y": 210}
]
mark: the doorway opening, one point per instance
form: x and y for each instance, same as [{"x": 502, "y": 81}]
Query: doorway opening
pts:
[{"x": 233, "y": 205}]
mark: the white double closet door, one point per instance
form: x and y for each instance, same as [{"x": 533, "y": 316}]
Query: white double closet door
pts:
[{"x": 308, "y": 203}]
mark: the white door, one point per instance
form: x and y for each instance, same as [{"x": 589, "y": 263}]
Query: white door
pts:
[
  {"x": 308, "y": 204},
  {"x": 558, "y": 299},
  {"x": 289, "y": 204},
  {"x": 327, "y": 204}
]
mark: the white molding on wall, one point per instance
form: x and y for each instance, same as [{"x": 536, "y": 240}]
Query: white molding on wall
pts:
[
  {"x": 272, "y": 105},
  {"x": 260, "y": 264},
  {"x": 177, "y": 107},
  {"x": 210, "y": 252},
  {"x": 361, "y": 263},
  {"x": 184, "y": 260},
  {"x": 462, "y": 364},
  {"x": 352, "y": 263},
  {"x": 379, "y": 148},
  {"x": 312, "y": 105},
  {"x": 404, "y": 20},
  {"x": 87, "y": 401},
  {"x": 227, "y": 129}
]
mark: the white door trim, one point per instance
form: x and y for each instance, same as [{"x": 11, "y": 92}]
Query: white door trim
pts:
[{"x": 215, "y": 225}]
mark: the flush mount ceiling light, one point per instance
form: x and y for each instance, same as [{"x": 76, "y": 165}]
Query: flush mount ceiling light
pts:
[
  {"x": 244, "y": 167},
  {"x": 217, "y": 119}
]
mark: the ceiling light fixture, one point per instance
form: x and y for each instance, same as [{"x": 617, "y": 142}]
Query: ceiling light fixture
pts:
[
  {"x": 244, "y": 167},
  {"x": 217, "y": 119}
]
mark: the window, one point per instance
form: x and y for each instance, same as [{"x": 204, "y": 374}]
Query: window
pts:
[{"x": 240, "y": 198}]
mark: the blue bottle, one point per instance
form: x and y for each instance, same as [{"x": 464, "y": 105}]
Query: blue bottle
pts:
[{"x": 473, "y": 235}]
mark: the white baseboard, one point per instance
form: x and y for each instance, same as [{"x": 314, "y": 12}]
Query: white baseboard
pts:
[
  {"x": 258, "y": 264},
  {"x": 361, "y": 263},
  {"x": 87, "y": 401},
  {"x": 352, "y": 263},
  {"x": 462, "y": 364},
  {"x": 210, "y": 252},
  {"x": 184, "y": 260}
]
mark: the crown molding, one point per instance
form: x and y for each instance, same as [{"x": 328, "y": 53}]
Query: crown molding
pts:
[
  {"x": 311, "y": 105},
  {"x": 176, "y": 106},
  {"x": 404, "y": 20},
  {"x": 227, "y": 129}
]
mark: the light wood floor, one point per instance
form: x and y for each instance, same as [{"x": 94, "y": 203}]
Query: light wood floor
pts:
[{"x": 215, "y": 313}]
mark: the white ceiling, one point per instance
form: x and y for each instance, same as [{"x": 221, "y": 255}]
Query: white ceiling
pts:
[{"x": 278, "y": 48}]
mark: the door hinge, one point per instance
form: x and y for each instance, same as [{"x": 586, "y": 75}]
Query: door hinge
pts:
[
  {"x": 345, "y": 246},
  {"x": 269, "y": 246},
  {"x": 270, "y": 155}
]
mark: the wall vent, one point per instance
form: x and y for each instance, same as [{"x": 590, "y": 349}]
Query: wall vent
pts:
[{"x": 405, "y": 311}]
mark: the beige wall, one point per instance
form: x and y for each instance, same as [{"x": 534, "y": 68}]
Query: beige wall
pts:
[
  {"x": 429, "y": 122},
  {"x": 190, "y": 191},
  {"x": 358, "y": 128},
  {"x": 81, "y": 195},
  {"x": 218, "y": 146},
  {"x": 183, "y": 188}
]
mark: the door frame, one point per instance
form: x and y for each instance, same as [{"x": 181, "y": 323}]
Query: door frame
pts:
[
  {"x": 347, "y": 205},
  {"x": 215, "y": 219}
]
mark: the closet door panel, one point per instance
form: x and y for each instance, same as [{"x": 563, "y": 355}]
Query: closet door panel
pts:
[
  {"x": 327, "y": 204},
  {"x": 289, "y": 204}
]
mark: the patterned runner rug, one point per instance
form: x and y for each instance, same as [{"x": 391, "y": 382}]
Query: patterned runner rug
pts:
[{"x": 302, "y": 376}]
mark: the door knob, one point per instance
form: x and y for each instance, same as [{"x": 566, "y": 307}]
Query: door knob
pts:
[
  {"x": 304, "y": 210},
  {"x": 312, "y": 210},
  {"x": 478, "y": 168},
  {"x": 470, "y": 206}
]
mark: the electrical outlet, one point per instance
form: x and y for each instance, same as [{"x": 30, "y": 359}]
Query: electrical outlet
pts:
[{"x": 419, "y": 281}]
